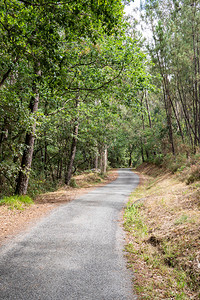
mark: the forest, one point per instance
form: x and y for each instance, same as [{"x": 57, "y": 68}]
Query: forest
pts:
[{"x": 82, "y": 89}]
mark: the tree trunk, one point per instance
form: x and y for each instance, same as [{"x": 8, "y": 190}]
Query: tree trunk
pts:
[
  {"x": 148, "y": 111},
  {"x": 101, "y": 160},
  {"x": 72, "y": 155},
  {"x": 130, "y": 159},
  {"x": 142, "y": 151},
  {"x": 168, "y": 115},
  {"x": 96, "y": 160},
  {"x": 130, "y": 155},
  {"x": 73, "y": 147},
  {"x": 185, "y": 111},
  {"x": 198, "y": 68},
  {"x": 3, "y": 137},
  {"x": 23, "y": 176},
  {"x": 177, "y": 119},
  {"x": 6, "y": 75},
  {"x": 105, "y": 159}
]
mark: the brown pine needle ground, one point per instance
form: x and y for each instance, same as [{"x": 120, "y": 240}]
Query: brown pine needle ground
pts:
[{"x": 164, "y": 236}]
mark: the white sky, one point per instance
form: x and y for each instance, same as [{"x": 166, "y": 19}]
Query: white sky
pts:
[
  {"x": 136, "y": 14},
  {"x": 129, "y": 8}
]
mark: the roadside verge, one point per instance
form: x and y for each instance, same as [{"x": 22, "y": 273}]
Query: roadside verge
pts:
[{"x": 162, "y": 220}]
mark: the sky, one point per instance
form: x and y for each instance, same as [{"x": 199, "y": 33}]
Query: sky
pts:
[
  {"x": 129, "y": 8},
  {"x": 129, "y": 11}
]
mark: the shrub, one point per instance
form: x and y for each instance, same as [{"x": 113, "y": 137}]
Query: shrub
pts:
[
  {"x": 73, "y": 183},
  {"x": 194, "y": 174}
]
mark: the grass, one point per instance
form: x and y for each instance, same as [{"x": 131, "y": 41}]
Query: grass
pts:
[
  {"x": 183, "y": 219},
  {"x": 163, "y": 241},
  {"x": 134, "y": 220},
  {"x": 87, "y": 179},
  {"x": 16, "y": 202}
]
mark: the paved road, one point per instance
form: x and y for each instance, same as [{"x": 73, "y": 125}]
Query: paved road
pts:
[{"x": 76, "y": 253}]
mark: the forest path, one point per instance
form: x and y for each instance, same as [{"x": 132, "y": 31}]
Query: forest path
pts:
[{"x": 74, "y": 253}]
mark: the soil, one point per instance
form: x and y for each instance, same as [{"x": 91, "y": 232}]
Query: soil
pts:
[{"x": 14, "y": 221}]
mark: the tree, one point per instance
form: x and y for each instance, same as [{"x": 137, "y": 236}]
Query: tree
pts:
[{"x": 36, "y": 32}]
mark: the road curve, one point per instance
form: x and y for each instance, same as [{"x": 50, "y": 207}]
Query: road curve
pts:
[{"x": 76, "y": 253}]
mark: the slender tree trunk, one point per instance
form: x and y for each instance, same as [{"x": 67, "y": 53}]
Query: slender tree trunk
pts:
[
  {"x": 72, "y": 155},
  {"x": 96, "y": 160},
  {"x": 198, "y": 69},
  {"x": 130, "y": 156},
  {"x": 73, "y": 146},
  {"x": 166, "y": 94},
  {"x": 148, "y": 111},
  {"x": 142, "y": 151},
  {"x": 6, "y": 75},
  {"x": 3, "y": 137},
  {"x": 45, "y": 156},
  {"x": 23, "y": 176},
  {"x": 105, "y": 159},
  {"x": 101, "y": 160},
  {"x": 185, "y": 111},
  {"x": 60, "y": 171},
  {"x": 45, "y": 145},
  {"x": 177, "y": 119},
  {"x": 195, "y": 99},
  {"x": 169, "y": 122},
  {"x": 52, "y": 171}
]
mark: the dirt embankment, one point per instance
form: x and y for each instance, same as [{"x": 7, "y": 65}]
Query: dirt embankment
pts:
[
  {"x": 13, "y": 221},
  {"x": 164, "y": 236}
]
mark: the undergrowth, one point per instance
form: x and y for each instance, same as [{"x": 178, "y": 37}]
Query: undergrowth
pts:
[
  {"x": 185, "y": 164},
  {"x": 16, "y": 202}
]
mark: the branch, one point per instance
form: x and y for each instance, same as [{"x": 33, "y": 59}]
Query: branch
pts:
[
  {"x": 100, "y": 87},
  {"x": 5, "y": 76},
  {"x": 41, "y": 4},
  {"x": 4, "y": 26},
  {"x": 60, "y": 109},
  {"x": 86, "y": 64}
]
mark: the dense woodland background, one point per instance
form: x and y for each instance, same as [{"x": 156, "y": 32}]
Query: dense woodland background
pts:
[{"x": 80, "y": 88}]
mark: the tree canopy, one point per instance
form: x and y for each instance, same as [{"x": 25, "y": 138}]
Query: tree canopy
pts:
[{"x": 81, "y": 89}]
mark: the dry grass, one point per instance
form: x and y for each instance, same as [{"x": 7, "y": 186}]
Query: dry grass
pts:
[{"x": 164, "y": 237}]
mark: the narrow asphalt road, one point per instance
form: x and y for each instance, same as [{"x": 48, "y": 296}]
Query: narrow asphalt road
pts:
[{"x": 76, "y": 253}]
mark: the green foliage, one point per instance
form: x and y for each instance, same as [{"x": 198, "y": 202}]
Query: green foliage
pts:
[
  {"x": 134, "y": 221},
  {"x": 73, "y": 183},
  {"x": 80, "y": 55},
  {"x": 40, "y": 185},
  {"x": 16, "y": 202}
]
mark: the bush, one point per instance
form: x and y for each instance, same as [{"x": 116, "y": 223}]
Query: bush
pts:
[
  {"x": 194, "y": 174},
  {"x": 176, "y": 163},
  {"x": 38, "y": 184},
  {"x": 158, "y": 160},
  {"x": 73, "y": 183}
]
